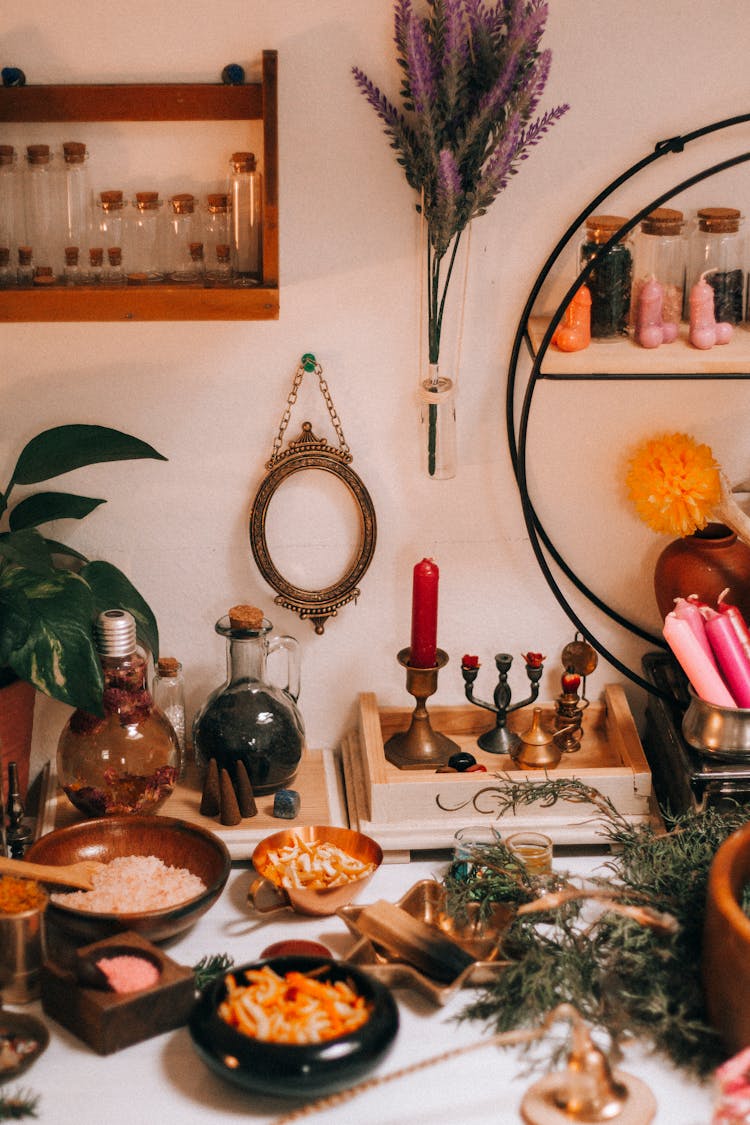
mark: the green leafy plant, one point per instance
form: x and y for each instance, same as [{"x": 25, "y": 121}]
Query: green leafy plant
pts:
[{"x": 50, "y": 594}]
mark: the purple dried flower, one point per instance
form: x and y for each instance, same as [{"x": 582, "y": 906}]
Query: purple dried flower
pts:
[
  {"x": 422, "y": 69},
  {"x": 402, "y": 14}
]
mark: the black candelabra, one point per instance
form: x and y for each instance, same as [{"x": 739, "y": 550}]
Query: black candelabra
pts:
[{"x": 500, "y": 740}]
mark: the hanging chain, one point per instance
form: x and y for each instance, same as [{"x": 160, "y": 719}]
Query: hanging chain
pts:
[{"x": 309, "y": 363}]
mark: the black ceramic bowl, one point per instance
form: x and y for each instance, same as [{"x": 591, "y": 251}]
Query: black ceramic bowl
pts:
[
  {"x": 175, "y": 842},
  {"x": 292, "y": 1070}
]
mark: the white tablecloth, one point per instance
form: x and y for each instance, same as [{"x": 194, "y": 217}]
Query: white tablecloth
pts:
[{"x": 163, "y": 1081}]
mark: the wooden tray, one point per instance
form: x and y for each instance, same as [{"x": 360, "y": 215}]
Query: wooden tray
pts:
[
  {"x": 400, "y": 809},
  {"x": 318, "y": 783}
]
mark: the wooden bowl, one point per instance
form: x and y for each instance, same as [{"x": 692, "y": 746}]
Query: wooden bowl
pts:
[
  {"x": 726, "y": 943},
  {"x": 175, "y": 842}
]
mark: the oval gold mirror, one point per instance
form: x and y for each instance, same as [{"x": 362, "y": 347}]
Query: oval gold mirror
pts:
[{"x": 325, "y": 522}]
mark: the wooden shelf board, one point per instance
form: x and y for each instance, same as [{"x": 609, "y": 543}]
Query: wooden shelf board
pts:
[
  {"x": 150, "y": 302},
  {"x": 624, "y": 358},
  {"x": 132, "y": 102}
]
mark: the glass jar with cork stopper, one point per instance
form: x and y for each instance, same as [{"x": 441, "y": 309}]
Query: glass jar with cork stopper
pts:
[
  {"x": 217, "y": 247},
  {"x": 244, "y": 191},
  {"x": 184, "y": 250},
  {"x": 145, "y": 246},
  {"x": 610, "y": 280},
  {"x": 716, "y": 250},
  {"x": 248, "y": 719},
  {"x": 168, "y": 689},
  {"x": 659, "y": 254}
]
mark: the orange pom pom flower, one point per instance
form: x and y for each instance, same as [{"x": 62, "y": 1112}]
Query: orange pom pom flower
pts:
[{"x": 677, "y": 487}]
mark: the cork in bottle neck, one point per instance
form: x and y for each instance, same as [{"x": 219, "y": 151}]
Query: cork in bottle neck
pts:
[
  {"x": 600, "y": 228},
  {"x": 243, "y": 162},
  {"x": 74, "y": 152},
  {"x": 719, "y": 220},
  {"x": 111, "y": 200},
  {"x": 183, "y": 204},
  {"x": 664, "y": 220},
  {"x": 38, "y": 154}
]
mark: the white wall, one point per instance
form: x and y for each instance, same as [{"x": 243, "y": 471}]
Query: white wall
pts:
[{"x": 210, "y": 395}]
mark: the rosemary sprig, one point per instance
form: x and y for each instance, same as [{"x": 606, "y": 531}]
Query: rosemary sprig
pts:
[
  {"x": 210, "y": 967},
  {"x": 634, "y": 970},
  {"x": 17, "y": 1105}
]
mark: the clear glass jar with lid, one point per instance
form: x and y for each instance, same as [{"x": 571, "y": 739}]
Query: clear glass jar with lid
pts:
[
  {"x": 246, "y": 215},
  {"x": 111, "y": 224},
  {"x": 610, "y": 280},
  {"x": 659, "y": 254},
  {"x": 184, "y": 249},
  {"x": 145, "y": 249},
  {"x": 128, "y": 759},
  {"x": 76, "y": 197},
  {"x": 218, "y": 259},
  {"x": 9, "y": 201},
  {"x": 716, "y": 250},
  {"x": 42, "y": 214}
]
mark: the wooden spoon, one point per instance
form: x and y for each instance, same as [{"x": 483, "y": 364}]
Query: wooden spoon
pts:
[{"x": 67, "y": 875}]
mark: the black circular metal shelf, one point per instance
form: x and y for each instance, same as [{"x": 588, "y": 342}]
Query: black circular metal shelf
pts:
[{"x": 544, "y": 549}]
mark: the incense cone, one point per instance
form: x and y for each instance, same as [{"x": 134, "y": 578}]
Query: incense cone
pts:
[
  {"x": 230, "y": 810},
  {"x": 245, "y": 797},
  {"x": 211, "y": 798}
]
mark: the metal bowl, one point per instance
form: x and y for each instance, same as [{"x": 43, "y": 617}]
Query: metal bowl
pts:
[
  {"x": 176, "y": 843},
  {"x": 718, "y": 732},
  {"x": 303, "y": 900},
  {"x": 292, "y": 1070}
]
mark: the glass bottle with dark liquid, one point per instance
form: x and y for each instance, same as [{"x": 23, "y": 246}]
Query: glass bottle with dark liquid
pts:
[
  {"x": 128, "y": 760},
  {"x": 248, "y": 719}
]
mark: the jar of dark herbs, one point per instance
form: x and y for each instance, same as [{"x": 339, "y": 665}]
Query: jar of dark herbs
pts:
[
  {"x": 716, "y": 250},
  {"x": 610, "y": 280}
]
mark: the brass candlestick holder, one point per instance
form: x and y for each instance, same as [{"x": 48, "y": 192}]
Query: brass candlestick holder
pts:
[{"x": 420, "y": 747}]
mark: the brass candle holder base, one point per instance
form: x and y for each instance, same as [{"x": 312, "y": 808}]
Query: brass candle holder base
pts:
[{"x": 420, "y": 747}]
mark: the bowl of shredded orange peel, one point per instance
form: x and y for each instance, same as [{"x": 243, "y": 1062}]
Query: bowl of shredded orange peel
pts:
[{"x": 294, "y": 1026}]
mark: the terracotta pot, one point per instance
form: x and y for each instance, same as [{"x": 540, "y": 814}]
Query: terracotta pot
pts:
[
  {"x": 704, "y": 564},
  {"x": 726, "y": 943},
  {"x": 16, "y": 719}
]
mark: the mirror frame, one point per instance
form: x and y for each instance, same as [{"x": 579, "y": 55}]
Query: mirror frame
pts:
[{"x": 309, "y": 452}]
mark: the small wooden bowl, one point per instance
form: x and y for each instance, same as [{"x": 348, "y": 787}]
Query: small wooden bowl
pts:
[
  {"x": 726, "y": 943},
  {"x": 175, "y": 842}
]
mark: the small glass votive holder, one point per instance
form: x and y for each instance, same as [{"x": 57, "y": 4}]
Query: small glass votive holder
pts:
[{"x": 533, "y": 849}]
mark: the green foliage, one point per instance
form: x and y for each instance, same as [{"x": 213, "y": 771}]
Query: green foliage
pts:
[
  {"x": 50, "y": 594},
  {"x": 14, "y": 1106},
  {"x": 634, "y": 969},
  {"x": 210, "y": 967}
]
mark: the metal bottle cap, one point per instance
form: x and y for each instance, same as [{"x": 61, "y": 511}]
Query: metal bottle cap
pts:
[{"x": 115, "y": 633}]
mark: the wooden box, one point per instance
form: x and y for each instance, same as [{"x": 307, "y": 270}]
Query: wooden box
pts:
[{"x": 406, "y": 810}]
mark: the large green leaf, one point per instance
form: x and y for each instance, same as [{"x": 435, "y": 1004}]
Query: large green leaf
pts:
[
  {"x": 26, "y": 549},
  {"x": 43, "y": 507},
  {"x": 58, "y": 654},
  {"x": 14, "y": 625},
  {"x": 64, "y": 448},
  {"x": 112, "y": 590}
]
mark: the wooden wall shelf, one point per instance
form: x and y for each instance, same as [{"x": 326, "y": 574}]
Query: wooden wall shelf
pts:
[{"x": 254, "y": 101}]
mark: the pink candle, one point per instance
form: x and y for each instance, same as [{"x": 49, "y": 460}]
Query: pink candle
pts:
[
  {"x": 689, "y": 611},
  {"x": 730, "y": 656},
  {"x": 738, "y": 623},
  {"x": 424, "y": 615},
  {"x": 704, "y": 331},
  {"x": 648, "y": 321},
  {"x": 697, "y": 666}
]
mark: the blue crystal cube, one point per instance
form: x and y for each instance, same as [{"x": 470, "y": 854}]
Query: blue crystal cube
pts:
[{"x": 286, "y": 803}]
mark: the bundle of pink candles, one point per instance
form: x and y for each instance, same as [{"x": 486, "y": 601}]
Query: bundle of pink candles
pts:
[{"x": 712, "y": 645}]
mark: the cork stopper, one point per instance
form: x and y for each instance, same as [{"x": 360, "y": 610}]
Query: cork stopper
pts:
[
  {"x": 7, "y": 154},
  {"x": 111, "y": 200},
  {"x": 168, "y": 666},
  {"x": 96, "y": 255},
  {"x": 74, "y": 152},
  {"x": 38, "y": 154},
  {"x": 600, "y": 228},
  {"x": 137, "y": 279},
  {"x": 243, "y": 162},
  {"x": 147, "y": 200},
  {"x": 719, "y": 220},
  {"x": 246, "y": 617},
  {"x": 43, "y": 276},
  {"x": 218, "y": 203},
  {"x": 4, "y": 255},
  {"x": 196, "y": 251},
  {"x": 223, "y": 252},
  {"x": 664, "y": 220},
  {"x": 183, "y": 204},
  {"x": 24, "y": 255},
  {"x": 114, "y": 255},
  {"x": 71, "y": 255}
]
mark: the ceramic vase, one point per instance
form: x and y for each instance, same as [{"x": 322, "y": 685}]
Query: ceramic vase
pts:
[
  {"x": 16, "y": 721},
  {"x": 726, "y": 943},
  {"x": 704, "y": 564}
]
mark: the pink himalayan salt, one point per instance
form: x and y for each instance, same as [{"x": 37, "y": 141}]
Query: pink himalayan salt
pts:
[{"x": 126, "y": 973}]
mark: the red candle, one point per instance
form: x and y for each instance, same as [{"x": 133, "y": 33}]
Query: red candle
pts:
[{"x": 424, "y": 615}]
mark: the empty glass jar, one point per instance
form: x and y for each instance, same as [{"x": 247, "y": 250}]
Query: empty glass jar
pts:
[{"x": 145, "y": 245}]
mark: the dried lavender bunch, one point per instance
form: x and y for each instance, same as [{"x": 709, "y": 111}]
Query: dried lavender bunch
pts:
[{"x": 473, "y": 77}]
